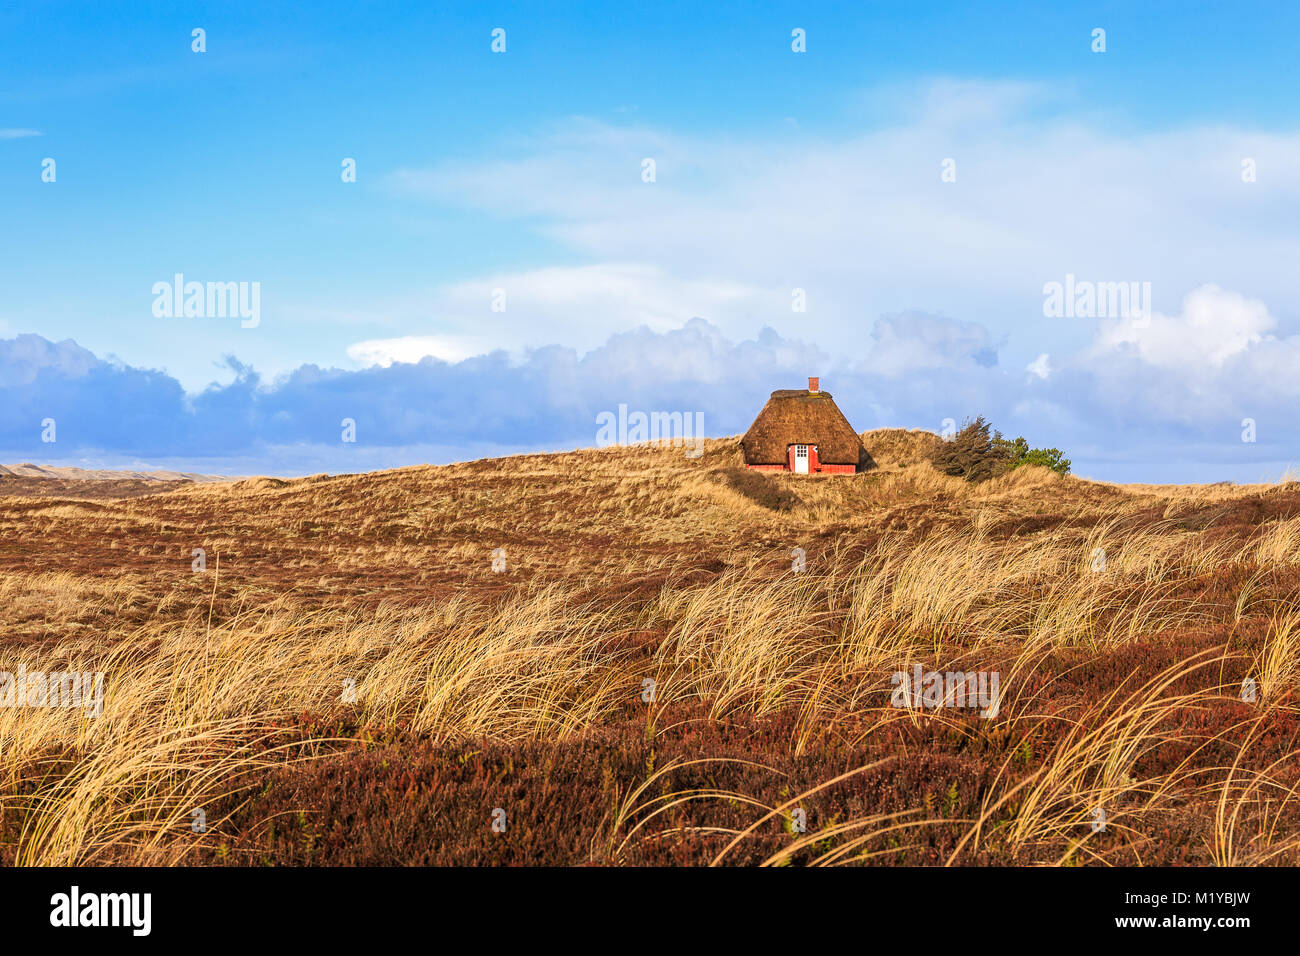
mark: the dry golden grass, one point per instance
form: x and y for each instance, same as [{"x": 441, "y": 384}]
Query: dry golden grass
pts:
[{"x": 628, "y": 565}]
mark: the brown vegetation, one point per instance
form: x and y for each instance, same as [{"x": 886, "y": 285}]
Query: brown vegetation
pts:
[{"x": 1122, "y": 620}]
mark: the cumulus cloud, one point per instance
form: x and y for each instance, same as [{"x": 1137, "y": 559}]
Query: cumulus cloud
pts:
[
  {"x": 24, "y": 358},
  {"x": 95, "y": 403},
  {"x": 1213, "y": 327},
  {"x": 545, "y": 397},
  {"x": 1219, "y": 358},
  {"x": 412, "y": 348},
  {"x": 1168, "y": 396}
]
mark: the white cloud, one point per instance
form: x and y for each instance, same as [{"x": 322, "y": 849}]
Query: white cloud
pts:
[
  {"x": 1221, "y": 357},
  {"x": 1040, "y": 367},
  {"x": 1214, "y": 326},
  {"x": 19, "y": 133},
  {"x": 412, "y": 348}
]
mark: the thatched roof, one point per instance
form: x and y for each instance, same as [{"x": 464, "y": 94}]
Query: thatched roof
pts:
[{"x": 799, "y": 417}]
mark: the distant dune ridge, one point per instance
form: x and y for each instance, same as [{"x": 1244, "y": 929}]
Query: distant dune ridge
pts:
[
  {"x": 28, "y": 470},
  {"x": 888, "y": 446}
]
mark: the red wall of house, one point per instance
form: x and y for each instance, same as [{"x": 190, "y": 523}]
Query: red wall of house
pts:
[
  {"x": 822, "y": 469},
  {"x": 815, "y": 465}
]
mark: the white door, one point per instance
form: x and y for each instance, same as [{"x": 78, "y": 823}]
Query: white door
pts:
[{"x": 801, "y": 459}]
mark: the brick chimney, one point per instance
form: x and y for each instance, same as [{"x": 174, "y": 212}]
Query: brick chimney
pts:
[{"x": 814, "y": 384}]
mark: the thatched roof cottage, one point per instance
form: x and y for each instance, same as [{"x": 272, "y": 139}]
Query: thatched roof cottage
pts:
[{"x": 803, "y": 432}]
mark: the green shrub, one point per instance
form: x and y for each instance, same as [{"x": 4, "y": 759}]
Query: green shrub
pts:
[
  {"x": 1019, "y": 453},
  {"x": 977, "y": 453}
]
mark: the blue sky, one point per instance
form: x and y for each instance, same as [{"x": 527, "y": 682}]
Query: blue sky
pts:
[{"x": 522, "y": 171}]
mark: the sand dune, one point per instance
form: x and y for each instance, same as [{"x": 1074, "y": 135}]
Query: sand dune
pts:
[{"x": 29, "y": 470}]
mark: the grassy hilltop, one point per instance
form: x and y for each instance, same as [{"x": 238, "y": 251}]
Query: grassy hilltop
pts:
[{"x": 349, "y": 681}]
